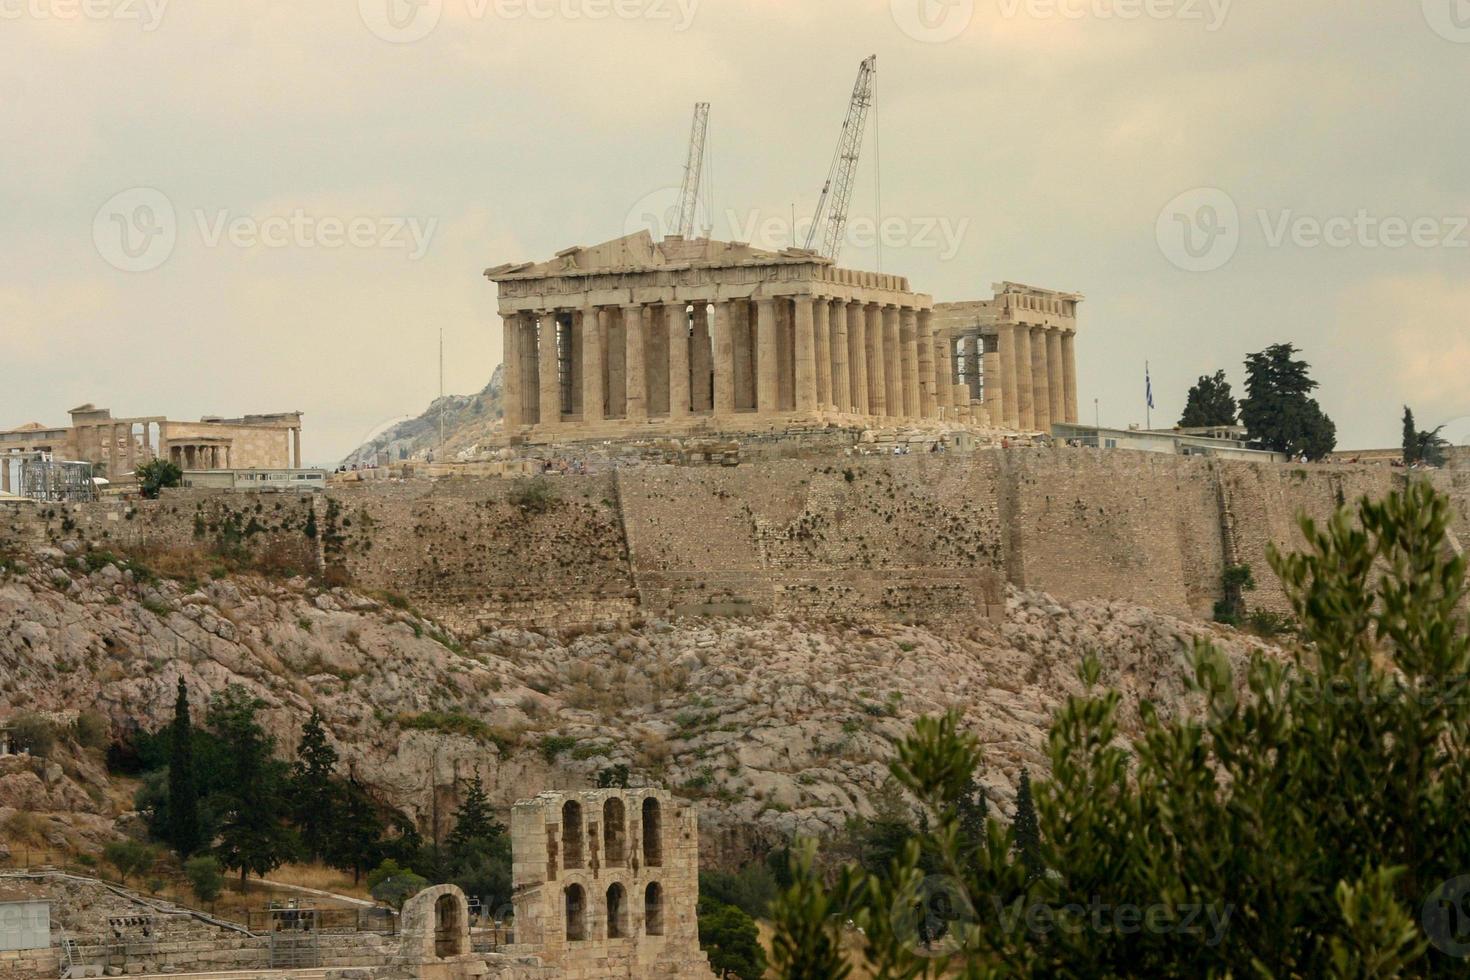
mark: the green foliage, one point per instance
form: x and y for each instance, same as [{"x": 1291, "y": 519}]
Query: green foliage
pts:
[
  {"x": 1411, "y": 438},
  {"x": 807, "y": 942},
  {"x": 1278, "y": 410},
  {"x": 1026, "y": 832},
  {"x": 1210, "y": 403},
  {"x": 91, "y": 730},
  {"x": 34, "y": 734},
  {"x": 130, "y": 857},
  {"x": 1304, "y": 821},
  {"x": 393, "y": 884},
  {"x": 204, "y": 876},
  {"x": 751, "y": 890},
  {"x": 615, "y": 776},
  {"x": 315, "y": 797},
  {"x": 534, "y": 496},
  {"x": 554, "y": 745},
  {"x": 253, "y": 835},
  {"x": 478, "y": 849},
  {"x": 157, "y": 475},
  {"x": 183, "y": 790},
  {"x": 1235, "y": 582},
  {"x": 730, "y": 938}
]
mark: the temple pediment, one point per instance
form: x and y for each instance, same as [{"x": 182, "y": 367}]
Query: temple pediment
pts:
[{"x": 639, "y": 252}]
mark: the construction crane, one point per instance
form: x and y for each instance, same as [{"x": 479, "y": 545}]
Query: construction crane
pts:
[
  {"x": 693, "y": 170},
  {"x": 837, "y": 191}
]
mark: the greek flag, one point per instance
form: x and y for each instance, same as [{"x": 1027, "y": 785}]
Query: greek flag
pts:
[{"x": 1148, "y": 385}]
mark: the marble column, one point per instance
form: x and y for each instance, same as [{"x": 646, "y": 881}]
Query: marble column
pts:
[
  {"x": 1069, "y": 374},
  {"x": 656, "y": 354},
  {"x": 928, "y": 403},
  {"x": 1040, "y": 385},
  {"x": 877, "y": 362},
  {"x": 741, "y": 329},
  {"x": 892, "y": 362},
  {"x": 822, "y": 328},
  {"x": 805, "y": 354},
  {"x": 1025, "y": 413},
  {"x": 594, "y": 341},
  {"x": 767, "y": 371},
  {"x": 841, "y": 376},
  {"x": 724, "y": 356},
  {"x": 635, "y": 368},
  {"x": 530, "y": 369},
  {"x": 908, "y": 347},
  {"x": 1005, "y": 342},
  {"x": 295, "y": 446},
  {"x": 550, "y": 379},
  {"x": 857, "y": 356},
  {"x": 699, "y": 359},
  {"x": 994, "y": 389},
  {"x": 1054, "y": 376},
  {"x": 616, "y": 354},
  {"x": 676, "y": 317},
  {"x": 943, "y": 387},
  {"x": 574, "y": 334}
]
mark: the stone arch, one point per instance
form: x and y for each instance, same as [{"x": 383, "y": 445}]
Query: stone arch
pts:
[
  {"x": 571, "y": 834},
  {"x": 617, "y": 911},
  {"x": 576, "y": 913},
  {"x": 449, "y": 927},
  {"x": 653, "y": 849},
  {"x": 653, "y": 909},
  {"x": 614, "y": 831}
]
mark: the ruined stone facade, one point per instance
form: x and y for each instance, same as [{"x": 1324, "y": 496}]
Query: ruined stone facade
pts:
[
  {"x": 117, "y": 446},
  {"x": 606, "y": 883},
  {"x": 634, "y": 337},
  {"x": 1016, "y": 354}
]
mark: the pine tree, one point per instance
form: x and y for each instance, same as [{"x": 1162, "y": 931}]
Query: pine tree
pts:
[
  {"x": 1411, "y": 438},
  {"x": 315, "y": 793},
  {"x": 253, "y": 835},
  {"x": 355, "y": 842},
  {"x": 474, "y": 824},
  {"x": 1211, "y": 403},
  {"x": 1026, "y": 831},
  {"x": 1278, "y": 410},
  {"x": 183, "y": 790}
]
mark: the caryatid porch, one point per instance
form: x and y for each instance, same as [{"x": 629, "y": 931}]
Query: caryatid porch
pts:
[{"x": 700, "y": 335}]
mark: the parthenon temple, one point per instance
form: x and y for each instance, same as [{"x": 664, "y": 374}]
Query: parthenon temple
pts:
[{"x": 683, "y": 336}]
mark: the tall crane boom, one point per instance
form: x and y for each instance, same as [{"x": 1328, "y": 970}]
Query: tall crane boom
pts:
[
  {"x": 837, "y": 192},
  {"x": 693, "y": 170}
]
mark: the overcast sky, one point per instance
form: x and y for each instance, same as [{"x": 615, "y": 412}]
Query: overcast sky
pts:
[{"x": 230, "y": 207}]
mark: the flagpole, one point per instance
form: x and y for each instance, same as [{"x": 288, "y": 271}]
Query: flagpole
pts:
[{"x": 1148, "y": 397}]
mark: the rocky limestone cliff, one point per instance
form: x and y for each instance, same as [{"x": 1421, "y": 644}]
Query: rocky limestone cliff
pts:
[
  {"x": 468, "y": 423},
  {"x": 777, "y": 726}
]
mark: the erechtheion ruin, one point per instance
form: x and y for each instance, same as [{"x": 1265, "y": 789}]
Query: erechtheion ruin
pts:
[
  {"x": 117, "y": 446},
  {"x": 634, "y": 337}
]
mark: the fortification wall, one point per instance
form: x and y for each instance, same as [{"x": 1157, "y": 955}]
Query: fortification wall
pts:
[{"x": 916, "y": 537}]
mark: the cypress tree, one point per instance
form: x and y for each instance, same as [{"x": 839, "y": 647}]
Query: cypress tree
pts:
[
  {"x": 1411, "y": 438},
  {"x": 1026, "y": 830},
  {"x": 183, "y": 790},
  {"x": 315, "y": 795}
]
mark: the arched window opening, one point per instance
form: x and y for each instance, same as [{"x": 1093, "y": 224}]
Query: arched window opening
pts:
[
  {"x": 571, "y": 834},
  {"x": 617, "y": 912},
  {"x": 614, "y": 832},
  {"x": 653, "y": 909},
  {"x": 448, "y": 928},
  {"x": 576, "y": 913},
  {"x": 653, "y": 851}
]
